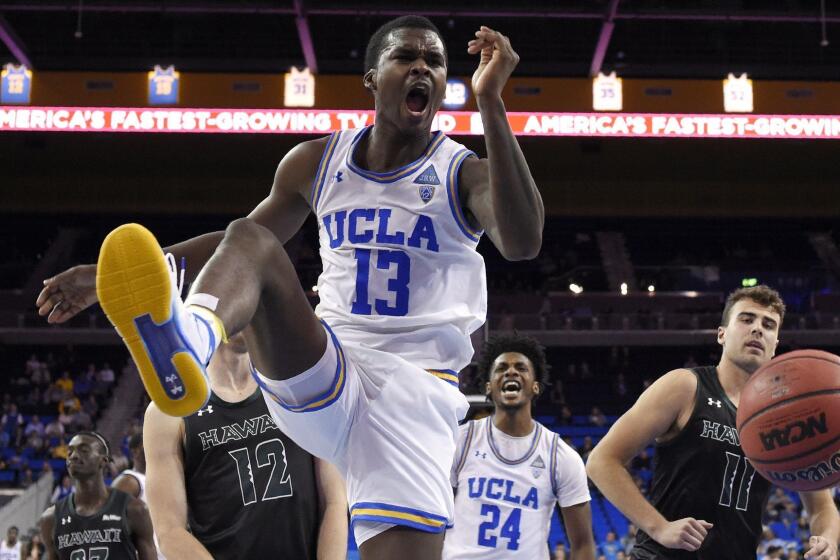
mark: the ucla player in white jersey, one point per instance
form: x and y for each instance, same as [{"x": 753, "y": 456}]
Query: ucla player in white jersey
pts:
[
  {"x": 370, "y": 382},
  {"x": 510, "y": 471}
]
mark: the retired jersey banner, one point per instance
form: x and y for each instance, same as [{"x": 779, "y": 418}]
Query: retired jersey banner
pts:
[
  {"x": 454, "y": 123},
  {"x": 163, "y": 86},
  {"x": 16, "y": 84}
]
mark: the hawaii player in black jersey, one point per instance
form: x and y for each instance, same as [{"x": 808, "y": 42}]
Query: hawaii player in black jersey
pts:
[
  {"x": 96, "y": 522},
  {"x": 706, "y": 499},
  {"x": 226, "y": 483}
]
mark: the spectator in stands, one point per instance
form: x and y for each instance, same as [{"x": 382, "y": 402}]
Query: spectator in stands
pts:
[
  {"x": 69, "y": 404},
  {"x": 610, "y": 547},
  {"x": 566, "y": 417},
  {"x": 40, "y": 376},
  {"x": 10, "y": 548},
  {"x": 620, "y": 385},
  {"x": 84, "y": 384},
  {"x": 63, "y": 489},
  {"x": 629, "y": 538},
  {"x": 597, "y": 417},
  {"x": 26, "y": 478},
  {"x": 65, "y": 383},
  {"x": 778, "y": 500},
  {"x": 33, "y": 433},
  {"x": 106, "y": 375},
  {"x": 91, "y": 406},
  {"x": 35, "y": 549},
  {"x": 773, "y": 553},
  {"x": 60, "y": 451},
  {"x": 33, "y": 364},
  {"x": 557, "y": 395},
  {"x": 586, "y": 448},
  {"x": 12, "y": 425},
  {"x": 81, "y": 421},
  {"x": 559, "y": 552},
  {"x": 54, "y": 429}
]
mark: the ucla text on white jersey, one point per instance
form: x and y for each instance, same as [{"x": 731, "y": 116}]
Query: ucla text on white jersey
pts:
[
  {"x": 400, "y": 268},
  {"x": 503, "y": 505}
]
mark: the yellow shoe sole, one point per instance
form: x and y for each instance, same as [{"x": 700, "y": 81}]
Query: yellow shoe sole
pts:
[{"x": 135, "y": 292}]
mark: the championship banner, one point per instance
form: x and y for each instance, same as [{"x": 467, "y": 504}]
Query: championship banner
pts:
[{"x": 454, "y": 123}]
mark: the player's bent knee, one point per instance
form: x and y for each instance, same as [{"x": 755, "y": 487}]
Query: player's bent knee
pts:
[{"x": 250, "y": 234}]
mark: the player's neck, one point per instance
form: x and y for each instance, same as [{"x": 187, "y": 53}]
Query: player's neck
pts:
[
  {"x": 91, "y": 494},
  {"x": 230, "y": 377},
  {"x": 386, "y": 148},
  {"x": 515, "y": 423},
  {"x": 732, "y": 378}
]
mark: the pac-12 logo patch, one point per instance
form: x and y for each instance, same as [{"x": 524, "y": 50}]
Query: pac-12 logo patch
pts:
[{"x": 426, "y": 193}]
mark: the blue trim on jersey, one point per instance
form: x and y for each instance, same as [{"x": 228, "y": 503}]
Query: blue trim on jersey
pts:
[
  {"x": 454, "y": 197},
  {"x": 534, "y": 441},
  {"x": 463, "y": 458},
  {"x": 399, "y": 515},
  {"x": 396, "y": 174},
  {"x": 552, "y": 470},
  {"x": 323, "y": 166},
  {"x": 448, "y": 375},
  {"x": 326, "y": 398}
]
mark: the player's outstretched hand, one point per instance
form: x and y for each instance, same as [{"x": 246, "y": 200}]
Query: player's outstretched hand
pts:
[
  {"x": 685, "y": 534},
  {"x": 498, "y": 59},
  {"x": 820, "y": 548},
  {"x": 67, "y": 294}
]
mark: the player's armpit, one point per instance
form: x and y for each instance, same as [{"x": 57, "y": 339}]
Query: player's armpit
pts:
[{"x": 165, "y": 487}]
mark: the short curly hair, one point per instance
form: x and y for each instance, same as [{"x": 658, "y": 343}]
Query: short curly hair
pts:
[
  {"x": 762, "y": 295},
  {"x": 377, "y": 40},
  {"x": 525, "y": 345}
]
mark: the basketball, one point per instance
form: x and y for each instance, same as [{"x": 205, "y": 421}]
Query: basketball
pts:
[{"x": 789, "y": 420}]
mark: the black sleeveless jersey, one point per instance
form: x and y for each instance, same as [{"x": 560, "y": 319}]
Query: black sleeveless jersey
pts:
[
  {"x": 105, "y": 534},
  {"x": 251, "y": 491},
  {"x": 702, "y": 473}
]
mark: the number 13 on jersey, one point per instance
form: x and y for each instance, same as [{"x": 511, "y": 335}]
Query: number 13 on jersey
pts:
[{"x": 394, "y": 261}]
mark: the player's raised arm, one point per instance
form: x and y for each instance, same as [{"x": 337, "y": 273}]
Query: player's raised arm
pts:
[
  {"x": 655, "y": 414},
  {"x": 283, "y": 211},
  {"x": 500, "y": 192},
  {"x": 165, "y": 486}
]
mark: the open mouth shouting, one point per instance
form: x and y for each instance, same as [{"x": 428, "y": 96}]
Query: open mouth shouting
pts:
[
  {"x": 511, "y": 388},
  {"x": 417, "y": 99}
]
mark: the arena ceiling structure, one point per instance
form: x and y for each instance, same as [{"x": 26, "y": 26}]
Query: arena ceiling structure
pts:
[{"x": 768, "y": 39}]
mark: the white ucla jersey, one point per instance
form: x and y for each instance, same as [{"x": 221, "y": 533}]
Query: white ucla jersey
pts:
[
  {"x": 400, "y": 268},
  {"x": 10, "y": 552},
  {"x": 504, "y": 504}
]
